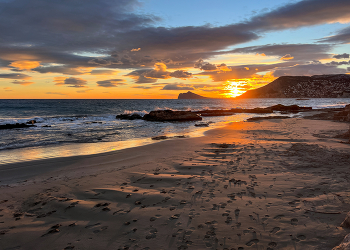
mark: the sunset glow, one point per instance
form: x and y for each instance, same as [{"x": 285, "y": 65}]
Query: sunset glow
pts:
[{"x": 144, "y": 49}]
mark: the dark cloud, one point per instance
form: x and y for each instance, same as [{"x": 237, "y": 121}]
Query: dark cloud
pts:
[
  {"x": 338, "y": 63},
  {"x": 302, "y": 13},
  {"x": 341, "y": 56},
  {"x": 110, "y": 83},
  {"x": 308, "y": 70},
  {"x": 177, "y": 86},
  {"x": 348, "y": 68},
  {"x": 159, "y": 72},
  {"x": 180, "y": 74},
  {"x": 15, "y": 76},
  {"x": 71, "y": 82},
  {"x": 343, "y": 36},
  {"x": 59, "y": 69},
  {"x": 298, "y": 51}
]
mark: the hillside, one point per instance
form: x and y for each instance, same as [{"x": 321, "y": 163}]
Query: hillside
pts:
[
  {"x": 318, "y": 86},
  {"x": 190, "y": 95}
]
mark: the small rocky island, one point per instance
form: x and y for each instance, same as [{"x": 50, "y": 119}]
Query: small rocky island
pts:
[
  {"x": 190, "y": 95},
  {"x": 318, "y": 86}
]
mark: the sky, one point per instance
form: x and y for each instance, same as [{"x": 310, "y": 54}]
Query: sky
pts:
[{"x": 149, "y": 49}]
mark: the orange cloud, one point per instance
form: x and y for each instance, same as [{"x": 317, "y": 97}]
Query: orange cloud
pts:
[
  {"x": 25, "y": 65},
  {"x": 24, "y": 83},
  {"x": 134, "y": 50},
  {"x": 287, "y": 57}
]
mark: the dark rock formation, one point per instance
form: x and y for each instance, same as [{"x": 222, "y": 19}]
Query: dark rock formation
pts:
[
  {"x": 346, "y": 222},
  {"x": 190, "y": 95},
  {"x": 291, "y": 108},
  {"x": 17, "y": 125},
  {"x": 202, "y": 124},
  {"x": 343, "y": 115},
  {"x": 318, "y": 86},
  {"x": 129, "y": 117},
  {"x": 345, "y": 245},
  {"x": 253, "y": 119},
  {"x": 169, "y": 115}
]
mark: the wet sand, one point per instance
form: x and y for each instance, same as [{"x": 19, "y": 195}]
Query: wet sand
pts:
[{"x": 274, "y": 184}]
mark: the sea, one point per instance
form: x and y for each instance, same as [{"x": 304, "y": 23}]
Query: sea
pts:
[{"x": 82, "y": 127}]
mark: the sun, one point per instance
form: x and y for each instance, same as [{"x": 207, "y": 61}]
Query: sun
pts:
[{"x": 234, "y": 88}]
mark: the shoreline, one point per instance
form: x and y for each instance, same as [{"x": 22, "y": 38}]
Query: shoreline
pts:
[{"x": 249, "y": 184}]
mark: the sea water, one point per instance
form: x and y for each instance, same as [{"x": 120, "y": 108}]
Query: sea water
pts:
[{"x": 80, "y": 127}]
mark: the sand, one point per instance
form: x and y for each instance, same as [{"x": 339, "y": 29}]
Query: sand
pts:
[{"x": 274, "y": 184}]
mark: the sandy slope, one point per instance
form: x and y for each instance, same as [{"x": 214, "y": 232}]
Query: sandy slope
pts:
[{"x": 278, "y": 184}]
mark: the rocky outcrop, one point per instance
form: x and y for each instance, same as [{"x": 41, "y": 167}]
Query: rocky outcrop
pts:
[
  {"x": 169, "y": 115},
  {"x": 129, "y": 116},
  {"x": 318, "y": 86},
  {"x": 291, "y": 108},
  {"x": 190, "y": 95},
  {"x": 17, "y": 125},
  {"x": 343, "y": 115},
  {"x": 345, "y": 245},
  {"x": 253, "y": 119},
  {"x": 346, "y": 222}
]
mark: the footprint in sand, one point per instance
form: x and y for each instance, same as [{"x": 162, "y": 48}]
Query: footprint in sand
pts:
[
  {"x": 275, "y": 230},
  {"x": 278, "y": 217},
  {"x": 251, "y": 242},
  {"x": 272, "y": 244},
  {"x": 301, "y": 237},
  {"x": 294, "y": 221}
]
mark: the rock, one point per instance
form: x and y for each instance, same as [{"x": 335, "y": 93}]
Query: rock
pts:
[
  {"x": 31, "y": 122},
  {"x": 17, "y": 125},
  {"x": 169, "y": 115},
  {"x": 346, "y": 222},
  {"x": 343, "y": 115},
  {"x": 161, "y": 137},
  {"x": 345, "y": 245},
  {"x": 291, "y": 108},
  {"x": 190, "y": 95},
  {"x": 201, "y": 124},
  {"x": 266, "y": 118},
  {"x": 129, "y": 116}
]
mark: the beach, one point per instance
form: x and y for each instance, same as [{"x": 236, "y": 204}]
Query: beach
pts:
[{"x": 269, "y": 184}]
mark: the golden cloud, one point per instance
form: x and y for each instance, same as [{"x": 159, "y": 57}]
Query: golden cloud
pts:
[{"x": 25, "y": 65}]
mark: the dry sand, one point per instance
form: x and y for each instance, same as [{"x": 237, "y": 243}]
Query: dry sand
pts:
[{"x": 277, "y": 184}]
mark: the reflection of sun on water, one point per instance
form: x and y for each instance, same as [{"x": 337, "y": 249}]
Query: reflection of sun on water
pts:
[{"x": 234, "y": 89}]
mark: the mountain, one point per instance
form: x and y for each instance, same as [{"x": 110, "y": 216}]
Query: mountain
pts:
[
  {"x": 190, "y": 95},
  {"x": 318, "y": 86}
]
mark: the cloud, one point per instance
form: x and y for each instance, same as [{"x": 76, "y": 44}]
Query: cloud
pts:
[
  {"x": 15, "y": 76},
  {"x": 343, "y": 36},
  {"x": 8, "y": 89},
  {"x": 134, "y": 50},
  {"x": 55, "y": 93},
  {"x": 24, "y": 83},
  {"x": 141, "y": 87},
  {"x": 338, "y": 63},
  {"x": 84, "y": 91},
  {"x": 110, "y": 83},
  {"x": 348, "y": 69},
  {"x": 159, "y": 72},
  {"x": 103, "y": 72},
  {"x": 308, "y": 70},
  {"x": 70, "y": 82},
  {"x": 302, "y": 13},
  {"x": 287, "y": 57},
  {"x": 299, "y": 51},
  {"x": 177, "y": 86},
  {"x": 60, "y": 69},
  {"x": 25, "y": 65},
  {"x": 341, "y": 56},
  {"x": 180, "y": 74}
]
